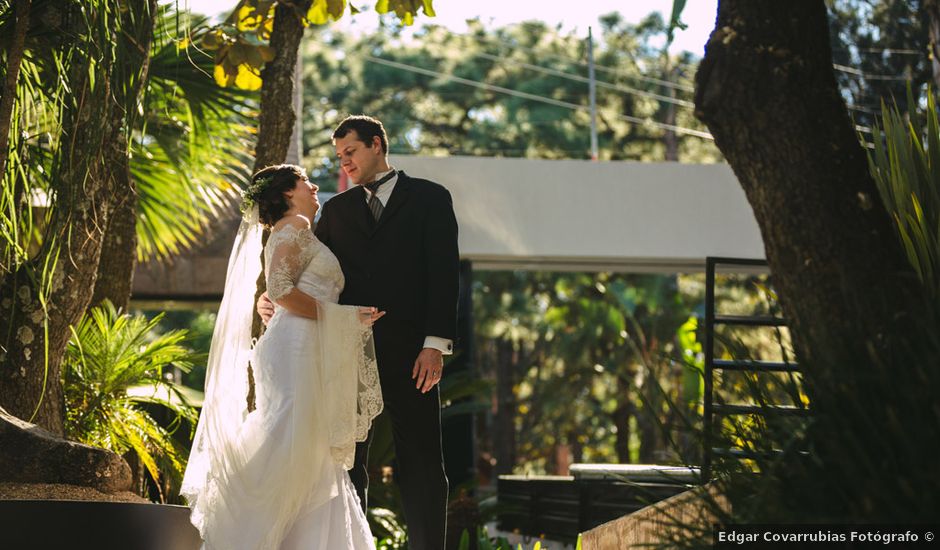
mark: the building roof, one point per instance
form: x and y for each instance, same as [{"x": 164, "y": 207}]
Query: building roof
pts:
[{"x": 546, "y": 215}]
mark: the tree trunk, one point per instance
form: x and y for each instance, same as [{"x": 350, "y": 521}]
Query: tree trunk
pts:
[
  {"x": 95, "y": 133},
  {"x": 14, "y": 58},
  {"x": 670, "y": 139},
  {"x": 646, "y": 428},
  {"x": 577, "y": 448},
  {"x": 505, "y": 426},
  {"x": 119, "y": 250},
  {"x": 277, "y": 117},
  {"x": 295, "y": 152},
  {"x": 767, "y": 92},
  {"x": 622, "y": 415}
]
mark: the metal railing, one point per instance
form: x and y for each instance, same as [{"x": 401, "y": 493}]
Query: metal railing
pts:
[{"x": 715, "y": 411}]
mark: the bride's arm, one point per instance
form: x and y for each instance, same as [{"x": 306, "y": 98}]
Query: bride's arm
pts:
[
  {"x": 287, "y": 263},
  {"x": 299, "y": 303}
]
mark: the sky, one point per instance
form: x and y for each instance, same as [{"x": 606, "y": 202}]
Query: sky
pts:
[{"x": 574, "y": 17}]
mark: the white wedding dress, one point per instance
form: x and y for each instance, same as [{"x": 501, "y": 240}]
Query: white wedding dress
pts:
[{"x": 276, "y": 478}]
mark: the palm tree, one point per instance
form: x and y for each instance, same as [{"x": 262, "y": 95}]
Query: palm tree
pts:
[
  {"x": 189, "y": 157},
  {"x": 102, "y": 174}
]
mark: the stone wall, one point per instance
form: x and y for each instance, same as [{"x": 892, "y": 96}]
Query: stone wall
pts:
[{"x": 660, "y": 523}]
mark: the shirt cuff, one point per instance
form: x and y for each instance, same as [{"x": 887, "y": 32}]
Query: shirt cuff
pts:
[{"x": 445, "y": 346}]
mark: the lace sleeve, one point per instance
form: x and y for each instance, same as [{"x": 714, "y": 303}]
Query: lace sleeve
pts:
[{"x": 288, "y": 252}]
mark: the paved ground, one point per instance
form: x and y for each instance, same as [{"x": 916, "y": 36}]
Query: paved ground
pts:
[{"x": 53, "y": 491}]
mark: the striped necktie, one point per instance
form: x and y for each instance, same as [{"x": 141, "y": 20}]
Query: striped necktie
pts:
[{"x": 375, "y": 205}]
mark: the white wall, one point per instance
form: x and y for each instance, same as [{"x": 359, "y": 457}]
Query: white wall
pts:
[{"x": 573, "y": 214}]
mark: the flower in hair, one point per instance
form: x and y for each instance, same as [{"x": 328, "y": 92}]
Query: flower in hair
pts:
[{"x": 251, "y": 195}]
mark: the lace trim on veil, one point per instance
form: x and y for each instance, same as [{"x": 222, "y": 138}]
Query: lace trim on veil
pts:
[{"x": 350, "y": 345}]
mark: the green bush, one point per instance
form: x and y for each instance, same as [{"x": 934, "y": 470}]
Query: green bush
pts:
[
  {"x": 905, "y": 163},
  {"x": 114, "y": 369}
]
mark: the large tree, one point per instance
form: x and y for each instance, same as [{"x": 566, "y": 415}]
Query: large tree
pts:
[
  {"x": 102, "y": 53},
  {"x": 177, "y": 158},
  {"x": 767, "y": 92}
]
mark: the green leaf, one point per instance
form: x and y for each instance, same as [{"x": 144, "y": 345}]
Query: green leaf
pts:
[
  {"x": 905, "y": 164},
  {"x": 675, "y": 21},
  {"x": 429, "y": 8}
]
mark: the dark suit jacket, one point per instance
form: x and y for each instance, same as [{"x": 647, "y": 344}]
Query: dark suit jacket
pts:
[{"x": 406, "y": 263}]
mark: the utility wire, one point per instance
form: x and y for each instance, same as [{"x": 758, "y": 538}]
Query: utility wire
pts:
[
  {"x": 866, "y": 76},
  {"x": 861, "y": 109},
  {"x": 602, "y": 68},
  {"x": 579, "y": 78},
  {"x": 532, "y": 97},
  {"x": 889, "y": 51}
]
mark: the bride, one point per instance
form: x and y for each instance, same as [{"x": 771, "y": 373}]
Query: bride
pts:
[{"x": 276, "y": 477}]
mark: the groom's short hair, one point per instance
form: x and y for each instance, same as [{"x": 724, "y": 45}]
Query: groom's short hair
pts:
[{"x": 366, "y": 128}]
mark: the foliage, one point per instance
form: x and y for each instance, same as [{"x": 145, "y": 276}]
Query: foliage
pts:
[
  {"x": 197, "y": 322},
  {"x": 187, "y": 146},
  {"x": 878, "y": 46},
  {"x": 387, "y": 528},
  {"x": 76, "y": 104},
  {"x": 486, "y": 542},
  {"x": 109, "y": 356},
  {"x": 607, "y": 367},
  {"x": 242, "y": 43},
  {"x": 188, "y": 152},
  {"x": 594, "y": 358},
  {"x": 193, "y": 150},
  {"x": 432, "y": 114},
  {"x": 905, "y": 163}
]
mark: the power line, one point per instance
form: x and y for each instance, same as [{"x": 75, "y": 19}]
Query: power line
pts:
[
  {"x": 579, "y": 78},
  {"x": 889, "y": 51},
  {"x": 602, "y": 68},
  {"x": 861, "y": 109},
  {"x": 531, "y": 97},
  {"x": 866, "y": 76}
]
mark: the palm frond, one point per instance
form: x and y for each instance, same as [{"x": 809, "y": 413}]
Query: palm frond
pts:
[{"x": 194, "y": 149}]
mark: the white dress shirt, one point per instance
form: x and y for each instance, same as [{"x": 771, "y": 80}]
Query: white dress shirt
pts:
[{"x": 444, "y": 345}]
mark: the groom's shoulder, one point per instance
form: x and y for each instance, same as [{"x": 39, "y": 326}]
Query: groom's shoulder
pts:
[
  {"x": 342, "y": 196},
  {"x": 428, "y": 188}
]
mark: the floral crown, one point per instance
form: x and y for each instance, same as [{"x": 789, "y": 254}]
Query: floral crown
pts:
[{"x": 251, "y": 195}]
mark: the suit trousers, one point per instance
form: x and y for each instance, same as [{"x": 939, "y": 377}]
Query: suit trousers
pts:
[{"x": 416, "y": 430}]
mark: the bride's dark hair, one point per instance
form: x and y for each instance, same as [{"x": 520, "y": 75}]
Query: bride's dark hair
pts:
[{"x": 267, "y": 189}]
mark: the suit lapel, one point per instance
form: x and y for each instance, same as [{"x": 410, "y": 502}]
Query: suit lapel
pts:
[{"x": 400, "y": 195}]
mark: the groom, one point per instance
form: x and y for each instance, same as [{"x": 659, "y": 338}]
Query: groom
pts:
[{"x": 396, "y": 239}]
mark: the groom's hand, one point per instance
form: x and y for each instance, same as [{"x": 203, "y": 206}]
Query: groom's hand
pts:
[
  {"x": 429, "y": 367},
  {"x": 265, "y": 308}
]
